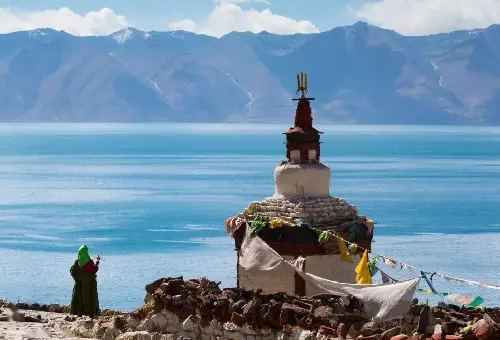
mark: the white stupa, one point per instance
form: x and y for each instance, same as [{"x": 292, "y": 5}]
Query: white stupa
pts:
[{"x": 300, "y": 207}]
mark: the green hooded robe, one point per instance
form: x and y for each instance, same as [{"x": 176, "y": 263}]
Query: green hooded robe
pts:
[{"x": 85, "y": 300}]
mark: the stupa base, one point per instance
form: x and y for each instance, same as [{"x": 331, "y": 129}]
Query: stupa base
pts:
[{"x": 316, "y": 211}]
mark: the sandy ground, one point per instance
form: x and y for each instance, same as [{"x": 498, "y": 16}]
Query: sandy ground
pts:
[{"x": 53, "y": 326}]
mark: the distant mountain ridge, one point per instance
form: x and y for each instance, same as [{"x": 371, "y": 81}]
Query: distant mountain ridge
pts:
[{"x": 358, "y": 74}]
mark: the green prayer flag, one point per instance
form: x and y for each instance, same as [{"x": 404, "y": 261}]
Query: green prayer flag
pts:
[
  {"x": 322, "y": 236},
  {"x": 257, "y": 225},
  {"x": 478, "y": 300}
]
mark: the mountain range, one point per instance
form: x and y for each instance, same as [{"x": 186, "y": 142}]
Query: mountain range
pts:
[{"x": 359, "y": 74}]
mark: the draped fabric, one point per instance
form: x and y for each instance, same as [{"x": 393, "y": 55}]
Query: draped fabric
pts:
[{"x": 381, "y": 302}]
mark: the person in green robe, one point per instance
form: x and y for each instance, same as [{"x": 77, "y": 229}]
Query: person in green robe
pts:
[{"x": 85, "y": 300}]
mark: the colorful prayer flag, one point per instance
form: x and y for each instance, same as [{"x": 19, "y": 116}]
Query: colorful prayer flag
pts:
[{"x": 363, "y": 273}]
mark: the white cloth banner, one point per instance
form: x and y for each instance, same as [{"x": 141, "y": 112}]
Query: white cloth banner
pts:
[{"x": 381, "y": 302}]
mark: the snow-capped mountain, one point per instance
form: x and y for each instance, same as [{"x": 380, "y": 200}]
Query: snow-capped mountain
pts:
[{"x": 358, "y": 73}]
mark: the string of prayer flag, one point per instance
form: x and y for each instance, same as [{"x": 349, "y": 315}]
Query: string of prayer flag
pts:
[
  {"x": 464, "y": 300},
  {"x": 393, "y": 263}
]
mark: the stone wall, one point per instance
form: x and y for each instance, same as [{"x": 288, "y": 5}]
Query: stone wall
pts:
[
  {"x": 323, "y": 210},
  {"x": 199, "y": 310}
]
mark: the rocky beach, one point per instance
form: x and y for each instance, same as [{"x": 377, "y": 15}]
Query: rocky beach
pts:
[{"x": 198, "y": 309}]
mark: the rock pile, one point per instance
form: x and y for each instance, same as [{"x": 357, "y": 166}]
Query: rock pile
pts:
[
  {"x": 447, "y": 321},
  {"x": 51, "y": 308},
  {"x": 198, "y": 309},
  {"x": 204, "y": 299},
  {"x": 178, "y": 309}
]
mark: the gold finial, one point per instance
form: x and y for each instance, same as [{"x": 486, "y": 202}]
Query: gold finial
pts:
[{"x": 302, "y": 84}]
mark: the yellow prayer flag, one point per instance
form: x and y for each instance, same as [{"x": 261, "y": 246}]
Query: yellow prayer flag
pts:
[
  {"x": 344, "y": 255},
  {"x": 275, "y": 223},
  {"x": 363, "y": 276}
]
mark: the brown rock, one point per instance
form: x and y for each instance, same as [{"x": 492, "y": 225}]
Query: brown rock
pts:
[
  {"x": 175, "y": 285},
  {"x": 390, "y": 333},
  {"x": 237, "y": 306},
  {"x": 333, "y": 323},
  {"x": 29, "y": 318},
  {"x": 18, "y": 316},
  {"x": 305, "y": 304},
  {"x": 353, "y": 332},
  {"x": 459, "y": 315},
  {"x": 272, "y": 317},
  {"x": 323, "y": 312},
  {"x": 400, "y": 337},
  {"x": 286, "y": 317},
  {"x": 369, "y": 337},
  {"x": 152, "y": 287},
  {"x": 453, "y": 337},
  {"x": 205, "y": 314},
  {"x": 342, "y": 330},
  {"x": 22, "y": 305},
  {"x": 221, "y": 311},
  {"x": 368, "y": 329},
  {"x": 472, "y": 337},
  {"x": 483, "y": 330},
  {"x": 449, "y": 327},
  {"x": 35, "y": 306},
  {"x": 250, "y": 308},
  {"x": 295, "y": 309},
  {"x": 339, "y": 308},
  {"x": 423, "y": 320},
  {"x": 157, "y": 305},
  {"x": 252, "y": 312},
  {"x": 326, "y": 331},
  {"x": 162, "y": 289},
  {"x": 55, "y": 309},
  {"x": 237, "y": 319},
  {"x": 158, "y": 293},
  {"x": 416, "y": 309},
  {"x": 489, "y": 319}
]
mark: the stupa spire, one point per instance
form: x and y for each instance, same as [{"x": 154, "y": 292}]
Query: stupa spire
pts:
[
  {"x": 303, "y": 139},
  {"x": 302, "y": 84}
]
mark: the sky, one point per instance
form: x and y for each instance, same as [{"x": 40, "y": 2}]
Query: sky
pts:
[{"x": 219, "y": 17}]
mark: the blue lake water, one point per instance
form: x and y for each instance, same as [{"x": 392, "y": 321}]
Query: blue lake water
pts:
[{"x": 152, "y": 199}]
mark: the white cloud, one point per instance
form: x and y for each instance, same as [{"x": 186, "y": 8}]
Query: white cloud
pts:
[
  {"x": 228, "y": 16},
  {"x": 101, "y": 22},
  {"x": 419, "y": 17},
  {"x": 184, "y": 25}
]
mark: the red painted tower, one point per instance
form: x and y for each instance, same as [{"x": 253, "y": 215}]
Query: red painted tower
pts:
[{"x": 302, "y": 140}]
